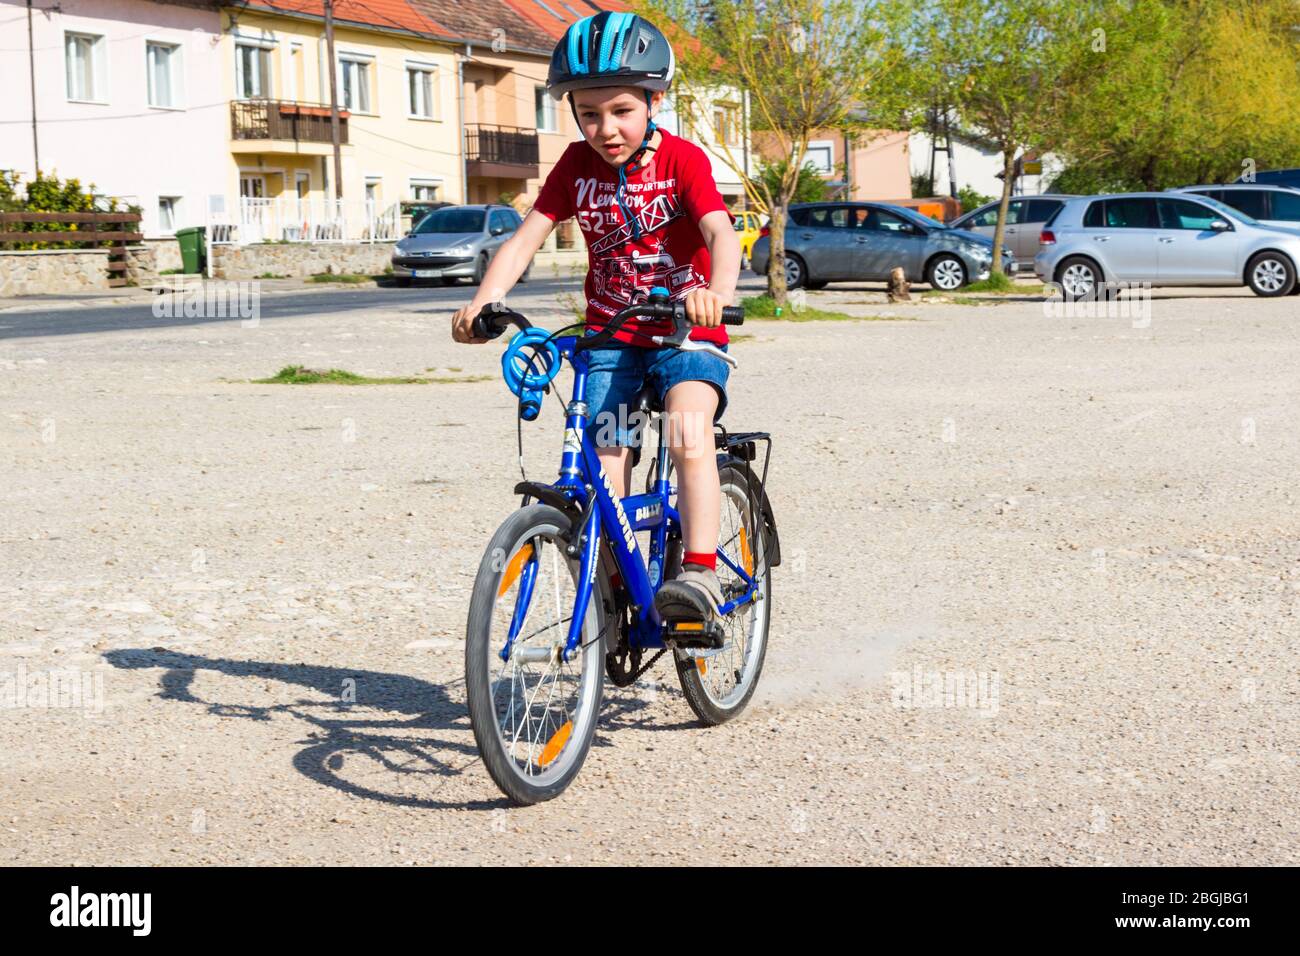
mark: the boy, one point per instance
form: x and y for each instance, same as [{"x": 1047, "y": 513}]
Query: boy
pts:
[{"x": 651, "y": 215}]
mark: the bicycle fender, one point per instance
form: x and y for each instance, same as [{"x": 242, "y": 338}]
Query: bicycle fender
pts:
[{"x": 772, "y": 544}]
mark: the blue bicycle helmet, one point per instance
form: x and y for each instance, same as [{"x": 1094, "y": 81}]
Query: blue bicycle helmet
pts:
[{"x": 613, "y": 49}]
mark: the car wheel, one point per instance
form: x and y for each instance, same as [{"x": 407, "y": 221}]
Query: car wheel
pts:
[
  {"x": 480, "y": 269},
  {"x": 946, "y": 273},
  {"x": 796, "y": 273},
  {"x": 1271, "y": 274},
  {"x": 1080, "y": 280},
  {"x": 450, "y": 280},
  {"x": 402, "y": 281},
  {"x": 1296, "y": 290}
]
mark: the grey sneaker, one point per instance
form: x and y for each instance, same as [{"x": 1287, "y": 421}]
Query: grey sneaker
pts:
[{"x": 693, "y": 596}]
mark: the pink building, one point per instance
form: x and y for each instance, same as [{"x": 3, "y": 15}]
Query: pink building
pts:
[{"x": 128, "y": 97}]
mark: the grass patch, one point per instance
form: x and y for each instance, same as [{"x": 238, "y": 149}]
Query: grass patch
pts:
[
  {"x": 271, "y": 275},
  {"x": 764, "y": 307},
  {"x": 170, "y": 272},
  {"x": 300, "y": 375},
  {"x": 348, "y": 278},
  {"x": 996, "y": 282}
]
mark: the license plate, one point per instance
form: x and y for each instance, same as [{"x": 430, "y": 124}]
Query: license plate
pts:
[{"x": 424, "y": 273}]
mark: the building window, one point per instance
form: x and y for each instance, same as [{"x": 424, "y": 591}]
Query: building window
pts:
[
  {"x": 821, "y": 153},
  {"x": 373, "y": 190},
  {"x": 168, "y": 210},
  {"x": 354, "y": 80},
  {"x": 424, "y": 189},
  {"x": 544, "y": 105},
  {"x": 85, "y": 64},
  {"x": 252, "y": 71},
  {"x": 162, "y": 64},
  {"x": 726, "y": 123},
  {"x": 421, "y": 82}
]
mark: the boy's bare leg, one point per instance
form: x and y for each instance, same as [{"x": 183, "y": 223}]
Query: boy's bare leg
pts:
[
  {"x": 617, "y": 463},
  {"x": 690, "y": 407}
]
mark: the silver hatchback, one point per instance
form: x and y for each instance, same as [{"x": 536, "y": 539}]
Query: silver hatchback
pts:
[
  {"x": 1163, "y": 239},
  {"x": 454, "y": 243}
]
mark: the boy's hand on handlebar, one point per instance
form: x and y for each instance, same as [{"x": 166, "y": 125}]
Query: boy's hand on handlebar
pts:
[
  {"x": 462, "y": 323},
  {"x": 704, "y": 307}
]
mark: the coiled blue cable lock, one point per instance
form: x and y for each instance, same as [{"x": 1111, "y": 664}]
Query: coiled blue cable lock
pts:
[{"x": 520, "y": 371}]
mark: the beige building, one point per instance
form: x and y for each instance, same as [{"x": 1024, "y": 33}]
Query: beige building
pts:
[
  {"x": 397, "y": 86},
  {"x": 870, "y": 165}
]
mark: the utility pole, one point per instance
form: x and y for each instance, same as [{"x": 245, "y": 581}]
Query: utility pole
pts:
[
  {"x": 334, "y": 99},
  {"x": 31, "y": 66}
]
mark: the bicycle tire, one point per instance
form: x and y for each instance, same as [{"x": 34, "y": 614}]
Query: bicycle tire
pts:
[
  {"x": 706, "y": 704},
  {"x": 537, "y": 522}
]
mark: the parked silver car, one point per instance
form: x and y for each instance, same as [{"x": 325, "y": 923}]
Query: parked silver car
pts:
[
  {"x": 1165, "y": 239},
  {"x": 827, "y": 242},
  {"x": 1025, "y": 218},
  {"x": 453, "y": 243},
  {"x": 1270, "y": 205}
]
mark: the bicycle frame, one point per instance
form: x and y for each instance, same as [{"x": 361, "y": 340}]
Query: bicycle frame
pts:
[{"x": 583, "y": 481}]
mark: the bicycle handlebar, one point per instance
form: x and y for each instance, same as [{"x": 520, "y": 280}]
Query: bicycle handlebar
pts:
[{"x": 495, "y": 317}]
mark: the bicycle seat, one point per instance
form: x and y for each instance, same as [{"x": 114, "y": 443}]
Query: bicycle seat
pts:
[{"x": 647, "y": 401}]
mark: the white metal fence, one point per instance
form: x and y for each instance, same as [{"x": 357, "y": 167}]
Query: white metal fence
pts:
[{"x": 290, "y": 219}]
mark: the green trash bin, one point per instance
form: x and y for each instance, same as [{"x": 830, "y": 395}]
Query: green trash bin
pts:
[{"x": 194, "y": 256}]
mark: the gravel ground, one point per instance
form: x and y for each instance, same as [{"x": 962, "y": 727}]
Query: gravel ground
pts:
[{"x": 1090, "y": 526}]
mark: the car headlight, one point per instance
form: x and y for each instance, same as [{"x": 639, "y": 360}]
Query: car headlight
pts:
[{"x": 463, "y": 249}]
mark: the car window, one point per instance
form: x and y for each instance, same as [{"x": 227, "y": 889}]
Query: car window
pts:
[
  {"x": 1052, "y": 218},
  {"x": 451, "y": 219},
  {"x": 1286, "y": 206},
  {"x": 738, "y": 223},
  {"x": 988, "y": 218},
  {"x": 1138, "y": 213},
  {"x": 501, "y": 220},
  {"x": 1253, "y": 202},
  {"x": 1212, "y": 193},
  {"x": 1041, "y": 210},
  {"x": 833, "y": 217},
  {"x": 1095, "y": 217},
  {"x": 1230, "y": 211},
  {"x": 879, "y": 220},
  {"x": 1185, "y": 214}
]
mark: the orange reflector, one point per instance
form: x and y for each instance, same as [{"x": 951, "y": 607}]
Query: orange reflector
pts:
[
  {"x": 689, "y": 626},
  {"x": 701, "y": 665},
  {"x": 555, "y": 744},
  {"x": 514, "y": 567},
  {"x": 746, "y": 558}
]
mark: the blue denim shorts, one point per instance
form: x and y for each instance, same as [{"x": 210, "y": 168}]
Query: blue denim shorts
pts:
[{"x": 616, "y": 375}]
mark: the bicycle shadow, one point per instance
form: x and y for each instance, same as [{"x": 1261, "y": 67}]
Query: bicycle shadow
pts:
[{"x": 407, "y": 747}]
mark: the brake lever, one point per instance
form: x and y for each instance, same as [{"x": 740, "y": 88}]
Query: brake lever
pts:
[{"x": 680, "y": 337}]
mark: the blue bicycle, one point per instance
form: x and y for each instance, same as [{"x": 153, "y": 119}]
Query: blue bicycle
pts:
[{"x": 546, "y": 626}]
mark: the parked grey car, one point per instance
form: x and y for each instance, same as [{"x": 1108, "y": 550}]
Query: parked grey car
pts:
[
  {"x": 1270, "y": 205},
  {"x": 1165, "y": 239},
  {"x": 1025, "y": 218},
  {"x": 453, "y": 243},
  {"x": 826, "y": 242}
]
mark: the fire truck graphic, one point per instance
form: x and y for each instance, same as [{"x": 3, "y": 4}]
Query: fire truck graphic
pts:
[
  {"x": 627, "y": 278},
  {"x": 622, "y": 278}
]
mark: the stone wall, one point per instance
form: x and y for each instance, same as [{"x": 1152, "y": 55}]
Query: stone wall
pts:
[
  {"x": 299, "y": 259},
  {"x": 167, "y": 254},
  {"x": 45, "y": 271},
  {"x": 141, "y": 265}
]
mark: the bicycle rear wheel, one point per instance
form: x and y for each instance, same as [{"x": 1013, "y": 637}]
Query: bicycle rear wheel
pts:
[
  {"x": 533, "y": 713},
  {"x": 718, "y": 684}
]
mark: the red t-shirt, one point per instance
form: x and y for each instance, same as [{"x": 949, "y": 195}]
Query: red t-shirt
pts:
[{"x": 669, "y": 195}]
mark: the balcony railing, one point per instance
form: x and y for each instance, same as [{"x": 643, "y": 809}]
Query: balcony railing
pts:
[
  {"x": 291, "y": 219},
  {"x": 513, "y": 145},
  {"x": 284, "y": 119}
]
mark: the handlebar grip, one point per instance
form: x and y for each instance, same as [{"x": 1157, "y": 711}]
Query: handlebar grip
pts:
[
  {"x": 733, "y": 315},
  {"x": 493, "y": 319}
]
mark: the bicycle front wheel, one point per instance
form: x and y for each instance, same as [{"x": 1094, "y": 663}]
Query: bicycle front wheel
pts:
[
  {"x": 719, "y": 683},
  {"x": 533, "y": 713}
]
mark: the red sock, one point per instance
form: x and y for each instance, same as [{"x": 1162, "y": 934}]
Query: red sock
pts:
[{"x": 709, "y": 560}]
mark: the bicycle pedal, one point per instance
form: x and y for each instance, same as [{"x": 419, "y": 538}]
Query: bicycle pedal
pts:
[{"x": 688, "y": 633}]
